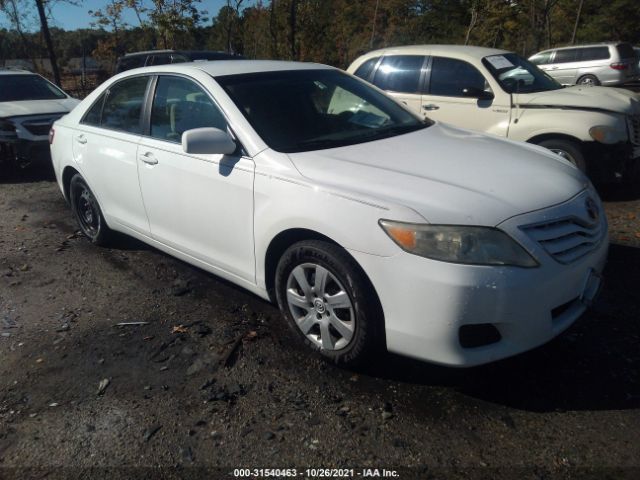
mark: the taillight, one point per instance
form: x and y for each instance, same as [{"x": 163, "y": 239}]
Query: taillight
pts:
[
  {"x": 619, "y": 66},
  {"x": 52, "y": 133}
]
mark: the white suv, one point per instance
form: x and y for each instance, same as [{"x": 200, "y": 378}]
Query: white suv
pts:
[
  {"x": 29, "y": 104},
  {"x": 498, "y": 92}
]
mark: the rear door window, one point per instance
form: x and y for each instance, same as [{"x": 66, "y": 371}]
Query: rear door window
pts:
[
  {"x": 593, "y": 53},
  {"x": 365, "y": 70},
  {"x": 123, "y": 105},
  {"x": 399, "y": 73}
]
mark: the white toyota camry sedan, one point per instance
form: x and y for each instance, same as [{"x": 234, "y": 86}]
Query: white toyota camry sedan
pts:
[{"x": 370, "y": 227}]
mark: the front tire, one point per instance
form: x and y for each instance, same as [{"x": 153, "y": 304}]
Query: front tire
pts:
[
  {"x": 87, "y": 212},
  {"x": 328, "y": 301},
  {"x": 568, "y": 150}
]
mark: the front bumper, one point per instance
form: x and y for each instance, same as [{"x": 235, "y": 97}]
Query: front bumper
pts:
[
  {"x": 23, "y": 153},
  {"x": 426, "y": 302}
]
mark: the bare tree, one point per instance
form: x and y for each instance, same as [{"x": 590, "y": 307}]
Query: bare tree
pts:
[{"x": 44, "y": 27}]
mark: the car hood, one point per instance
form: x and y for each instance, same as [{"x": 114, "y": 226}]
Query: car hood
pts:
[
  {"x": 448, "y": 175},
  {"x": 37, "y": 107},
  {"x": 584, "y": 97}
]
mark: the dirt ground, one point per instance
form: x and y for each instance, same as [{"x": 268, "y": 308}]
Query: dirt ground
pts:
[{"x": 214, "y": 381}]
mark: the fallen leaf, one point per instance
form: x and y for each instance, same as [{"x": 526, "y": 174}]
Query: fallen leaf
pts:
[{"x": 179, "y": 329}]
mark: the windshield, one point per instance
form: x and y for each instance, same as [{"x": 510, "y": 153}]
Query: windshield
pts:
[
  {"x": 303, "y": 110},
  {"x": 16, "y": 88},
  {"x": 517, "y": 75}
]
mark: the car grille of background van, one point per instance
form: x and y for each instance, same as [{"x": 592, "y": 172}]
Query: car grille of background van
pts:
[{"x": 567, "y": 240}]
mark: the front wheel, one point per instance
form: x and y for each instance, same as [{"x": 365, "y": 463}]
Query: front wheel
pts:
[
  {"x": 87, "y": 212},
  {"x": 568, "y": 150},
  {"x": 327, "y": 300}
]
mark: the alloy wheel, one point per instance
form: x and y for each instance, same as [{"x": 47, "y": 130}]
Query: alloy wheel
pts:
[{"x": 320, "y": 306}]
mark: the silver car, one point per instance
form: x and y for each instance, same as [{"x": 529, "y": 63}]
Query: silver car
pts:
[{"x": 608, "y": 64}]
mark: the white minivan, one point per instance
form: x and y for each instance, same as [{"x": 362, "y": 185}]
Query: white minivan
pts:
[{"x": 498, "y": 92}]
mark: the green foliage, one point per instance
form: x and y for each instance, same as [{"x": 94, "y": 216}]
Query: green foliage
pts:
[{"x": 327, "y": 31}]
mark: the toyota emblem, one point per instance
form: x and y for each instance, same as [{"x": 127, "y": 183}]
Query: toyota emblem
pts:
[{"x": 592, "y": 209}]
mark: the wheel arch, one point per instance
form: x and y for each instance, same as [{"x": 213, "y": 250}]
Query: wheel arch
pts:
[
  {"x": 554, "y": 136},
  {"x": 284, "y": 240},
  {"x": 67, "y": 175}
]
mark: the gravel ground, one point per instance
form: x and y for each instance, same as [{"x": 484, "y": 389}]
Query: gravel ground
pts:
[{"x": 214, "y": 381}]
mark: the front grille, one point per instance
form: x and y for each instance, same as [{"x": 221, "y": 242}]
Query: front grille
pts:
[
  {"x": 568, "y": 239},
  {"x": 38, "y": 125},
  {"x": 634, "y": 129},
  {"x": 38, "y": 128}
]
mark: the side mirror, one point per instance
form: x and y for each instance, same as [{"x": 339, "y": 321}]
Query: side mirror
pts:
[
  {"x": 473, "y": 92},
  {"x": 208, "y": 141}
]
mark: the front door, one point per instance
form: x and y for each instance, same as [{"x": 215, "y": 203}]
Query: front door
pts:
[
  {"x": 200, "y": 205},
  {"x": 447, "y": 101}
]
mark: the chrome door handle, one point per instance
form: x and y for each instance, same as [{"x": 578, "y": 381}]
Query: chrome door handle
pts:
[
  {"x": 430, "y": 106},
  {"x": 81, "y": 139},
  {"x": 149, "y": 159}
]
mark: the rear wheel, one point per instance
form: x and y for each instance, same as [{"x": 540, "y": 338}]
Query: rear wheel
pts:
[
  {"x": 568, "y": 150},
  {"x": 87, "y": 212},
  {"x": 589, "y": 80},
  {"x": 327, "y": 300}
]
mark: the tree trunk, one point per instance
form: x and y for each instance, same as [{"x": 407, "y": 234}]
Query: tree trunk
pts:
[
  {"x": 292, "y": 29},
  {"x": 44, "y": 26},
  {"x": 575, "y": 26}
]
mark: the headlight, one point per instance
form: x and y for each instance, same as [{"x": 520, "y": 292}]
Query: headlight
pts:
[
  {"x": 459, "y": 244},
  {"x": 605, "y": 134}
]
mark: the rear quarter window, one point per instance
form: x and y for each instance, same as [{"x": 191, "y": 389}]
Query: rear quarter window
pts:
[{"x": 625, "y": 50}]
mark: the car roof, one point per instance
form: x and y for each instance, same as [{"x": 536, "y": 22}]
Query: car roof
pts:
[
  {"x": 460, "y": 51},
  {"x": 231, "y": 67},
  {"x": 15, "y": 71},
  {"x": 586, "y": 45}
]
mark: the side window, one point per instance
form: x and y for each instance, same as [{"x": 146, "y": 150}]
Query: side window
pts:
[
  {"x": 92, "y": 117},
  {"x": 450, "y": 76},
  {"x": 566, "y": 56},
  {"x": 180, "y": 105},
  {"x": 178, "y": 58},
  {"x": 541, "y": 58},
  {"x": 123, "y": 105},
  {"x": 159, "y": 60},
  {"x": 399, "y": 73},
  {"x": 364, "y": 71},
  {"x": 594, "y": 53}
]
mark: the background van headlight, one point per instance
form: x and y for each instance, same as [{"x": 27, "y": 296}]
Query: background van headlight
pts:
[{"x": 459, "y": 244}]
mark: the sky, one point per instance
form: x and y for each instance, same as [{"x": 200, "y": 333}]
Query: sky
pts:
[{"x": 71, "y": 17}]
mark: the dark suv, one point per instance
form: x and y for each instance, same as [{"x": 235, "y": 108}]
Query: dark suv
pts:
[{"x": 163, "y": 57}]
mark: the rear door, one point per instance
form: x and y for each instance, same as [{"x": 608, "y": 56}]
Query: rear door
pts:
[
  {"x": 200, "y": 205},
  {"x": 402, "y": 76},
  {"x": 105, "y": 146}
]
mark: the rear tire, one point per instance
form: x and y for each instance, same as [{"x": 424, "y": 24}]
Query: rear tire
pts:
[
  {"x": 591, "y": 80},
  {"x": 568, "y": 150},
  {"x": 87, "y": 212},
  {"x": 328, "y": 301}
]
